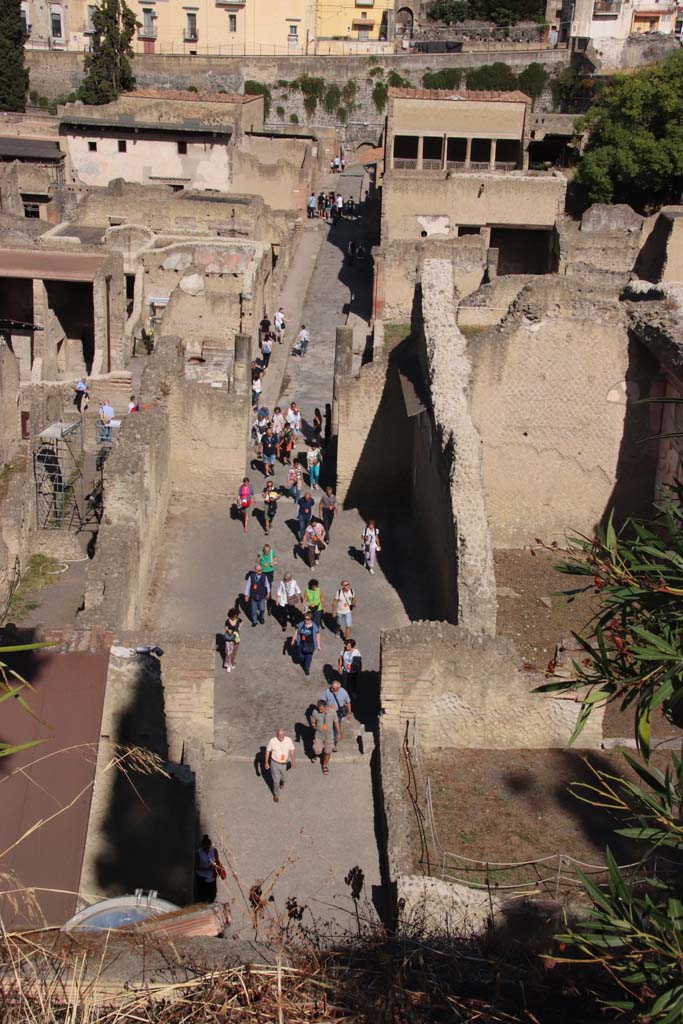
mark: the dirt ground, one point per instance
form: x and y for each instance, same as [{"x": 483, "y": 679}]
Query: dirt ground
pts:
[
  {"x": 516, "y": 805},
  {"x": 527, "y": 583}
]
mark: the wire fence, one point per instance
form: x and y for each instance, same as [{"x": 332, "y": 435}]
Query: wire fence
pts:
[{"x": 556, "y": 874}]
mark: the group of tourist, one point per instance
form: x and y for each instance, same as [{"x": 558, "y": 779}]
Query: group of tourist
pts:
[
  {"x": 105, "y": 414},
  {"x": 330, "y": 206}
]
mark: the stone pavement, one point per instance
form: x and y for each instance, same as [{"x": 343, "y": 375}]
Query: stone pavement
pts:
[{"x": 323, "y": 826}]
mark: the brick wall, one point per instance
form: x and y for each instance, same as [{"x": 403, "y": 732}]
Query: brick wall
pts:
[{"x": 468, "y": 692}]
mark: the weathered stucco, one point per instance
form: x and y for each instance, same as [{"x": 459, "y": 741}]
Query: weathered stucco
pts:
[{"x": 552, "y": 396}]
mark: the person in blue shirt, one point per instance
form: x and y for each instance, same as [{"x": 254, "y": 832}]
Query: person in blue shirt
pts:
[
  {"x": 335, "y": 696},
  {"x": 306, "y": 504},
  {"x": 307, "y": 641}
]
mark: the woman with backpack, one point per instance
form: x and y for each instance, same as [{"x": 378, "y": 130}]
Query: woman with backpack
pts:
[
  {"x": 245, "y": 497},
  {"x": 306, "y": 642}
]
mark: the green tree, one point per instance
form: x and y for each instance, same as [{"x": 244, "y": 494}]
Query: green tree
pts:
[
  {"x": 632, "y": 654},
  {"x": 447, "y": 78},
  {"x": 533, "y": 81},
  {"x": 252, "y": 88},
  {"x": 13, "y": 74},
  {"x": 450, "y": 11},
  {"x": 635, "y": 929},
  {"x": 108, "y": 70},
  {"x": 496, "y": 76},
  {"x": 634, "y": 152}
]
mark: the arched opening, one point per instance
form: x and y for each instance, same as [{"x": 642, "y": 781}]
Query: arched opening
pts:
[{"x": 404, "y": 23}]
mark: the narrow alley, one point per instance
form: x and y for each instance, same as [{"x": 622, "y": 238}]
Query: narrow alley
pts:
[{"x": 323, "y": 825}]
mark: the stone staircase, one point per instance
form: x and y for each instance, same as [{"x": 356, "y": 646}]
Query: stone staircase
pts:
[{"x": 117, "y": 387}]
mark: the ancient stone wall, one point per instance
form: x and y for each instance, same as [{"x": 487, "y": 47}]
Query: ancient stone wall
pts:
[
  {"x": 401, "y": 264},
  {"x": 137, "y": 491},
  {"x": 209, "y": 429},
  {"x": 54, "y": 73},
  {"x": 489, "y": 304},
  {"x": 453, "y": 441},
  {"x": 10, "y": 423},
  {"x": 661, "y": 257},
  {"x": 552, "y": 397},
  {"x": 468, "y": 692},
  {"x": 515, "y": 199}
]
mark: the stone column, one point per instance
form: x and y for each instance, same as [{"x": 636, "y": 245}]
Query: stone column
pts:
[
  {"x": 492, "y": 155},
  {"x": 241, "y": 363},
  {"x": 420, "y": 144},
  {"x": 445, "y": 152},
  {"x": 468, "y": 153}
]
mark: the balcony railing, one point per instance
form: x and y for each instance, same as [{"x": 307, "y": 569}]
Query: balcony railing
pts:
[
  {"x": 147, "y": 32},
  {"x": 405, "y": 164},
  {"x": 190, "y": 35},
  {"x": 432, "y": 165}
]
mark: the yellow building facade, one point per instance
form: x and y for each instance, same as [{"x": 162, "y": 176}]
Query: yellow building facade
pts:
[
  {"x": 230, "y": 27},
  {"x": 353, "y": 20},
  {"x": 225, "y": 27}
]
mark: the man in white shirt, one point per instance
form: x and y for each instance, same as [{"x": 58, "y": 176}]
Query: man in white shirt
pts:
[
  {"x": 279, "y": 751},
  {"x": 302, "y": 340},
  {"x": 279, "y": 319}
]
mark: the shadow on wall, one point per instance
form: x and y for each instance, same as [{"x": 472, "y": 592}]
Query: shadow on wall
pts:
[
  {"x": 633, "y": 490},
  {"x": 148, "y": 828},
  {"x": 384, "y": 470}
]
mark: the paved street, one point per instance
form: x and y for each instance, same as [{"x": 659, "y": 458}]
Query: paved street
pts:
[{"x": 323, "y": 826}]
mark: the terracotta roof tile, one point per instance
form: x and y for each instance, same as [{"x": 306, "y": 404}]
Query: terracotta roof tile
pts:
[
  {"x": 484, "y": 95},
  {"x": 184, "y": 94}
]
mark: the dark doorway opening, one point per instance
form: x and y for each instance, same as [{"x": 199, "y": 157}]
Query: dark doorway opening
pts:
[
  {"x": 72, "y": 304},
  {"x": 522, "y": 250}
]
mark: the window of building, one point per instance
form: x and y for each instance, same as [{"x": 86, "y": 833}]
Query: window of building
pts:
[
  {"x": 293, "y": 30},
  {"x": 32, "y": 210},
  {"x": 191, "y": 25},
  {"x": 182, "y": 148},
  {"x": 91, "y": 12},
  {"x": 25, "y": 24},
  {"x": 56, "y": 30},
  {"x": 232, "y": 23},
  {"x": 147, "y": 19},
  {"x": 123, "y": 146},
  {"x": 92, "y": 146}
]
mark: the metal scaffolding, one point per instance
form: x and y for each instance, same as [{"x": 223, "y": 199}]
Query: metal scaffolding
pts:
[{"x": 58, "y": 473}]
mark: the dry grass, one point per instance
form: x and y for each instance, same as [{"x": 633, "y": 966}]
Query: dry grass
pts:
[{"x": 371, "y": 981}]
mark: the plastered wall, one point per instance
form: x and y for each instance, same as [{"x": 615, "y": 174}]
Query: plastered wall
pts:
[
  {"x": 552, "y": 397},
  {"x": 204, "y": 166},
  {"x": 499, "y": 198}
]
